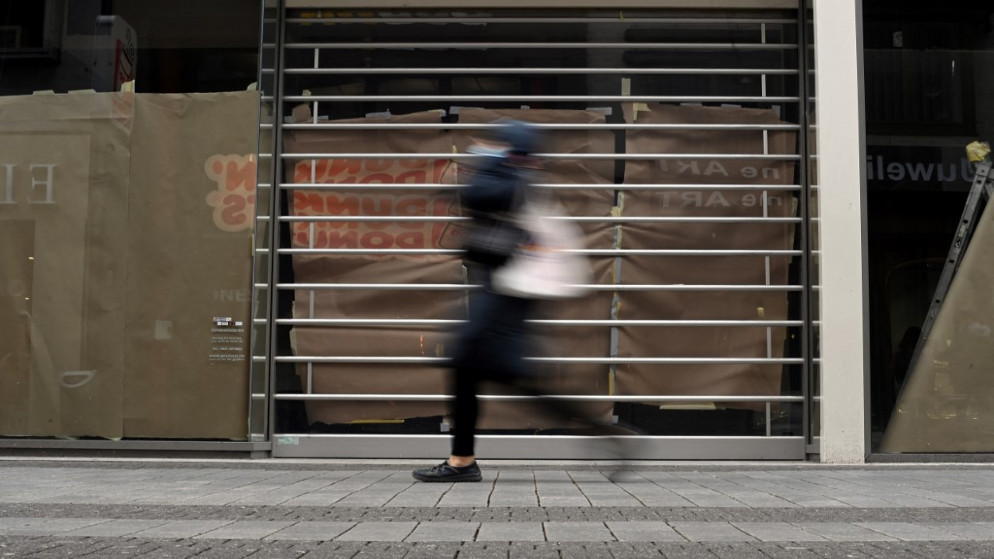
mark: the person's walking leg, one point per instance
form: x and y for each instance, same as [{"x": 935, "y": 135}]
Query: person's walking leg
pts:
[
  {"x": 465, "y": 410},
  {"x": 461, "y": 464},
  {"x": 469, "y": 369},
  {"x": 471, "y": 348}
]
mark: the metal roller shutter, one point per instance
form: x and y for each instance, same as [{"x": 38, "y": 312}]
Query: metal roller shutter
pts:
[{"x": 674, "y": 138}]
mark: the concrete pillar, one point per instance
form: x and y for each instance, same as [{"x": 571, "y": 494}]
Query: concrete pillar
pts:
[{"x": 844, "y": 311}]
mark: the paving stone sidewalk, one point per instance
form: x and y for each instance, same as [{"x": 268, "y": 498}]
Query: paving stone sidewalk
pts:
[{"x": 346, "y": 509}]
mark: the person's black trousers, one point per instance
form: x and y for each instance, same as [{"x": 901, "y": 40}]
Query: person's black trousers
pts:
[{"x": 491, "y": 346}]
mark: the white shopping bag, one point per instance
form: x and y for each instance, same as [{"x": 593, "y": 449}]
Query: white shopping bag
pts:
[{"x": 545, "y": 266}]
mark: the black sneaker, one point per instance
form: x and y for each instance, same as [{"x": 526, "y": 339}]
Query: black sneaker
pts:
[{"x": 445, "y": 472}]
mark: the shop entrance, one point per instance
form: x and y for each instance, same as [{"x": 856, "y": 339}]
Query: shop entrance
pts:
[{"x": 676, "y": 141}]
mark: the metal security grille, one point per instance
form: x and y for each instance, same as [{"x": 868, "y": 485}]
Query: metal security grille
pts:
[{"x": 675, "y": 143}]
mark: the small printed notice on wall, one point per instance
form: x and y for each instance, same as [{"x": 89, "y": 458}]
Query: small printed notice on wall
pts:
[{"x": 227, "y": 339}]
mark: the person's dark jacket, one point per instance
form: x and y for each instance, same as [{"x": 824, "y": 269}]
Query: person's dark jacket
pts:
[{"x": 494, "y": 192}]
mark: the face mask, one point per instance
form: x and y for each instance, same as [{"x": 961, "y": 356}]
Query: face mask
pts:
[{"x": 487, "y": 151}]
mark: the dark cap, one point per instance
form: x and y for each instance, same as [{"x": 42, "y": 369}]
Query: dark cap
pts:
[{"x": 520, "y": 136}]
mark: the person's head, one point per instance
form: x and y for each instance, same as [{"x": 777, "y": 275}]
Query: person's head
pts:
[{"x": 521, "y": 138}]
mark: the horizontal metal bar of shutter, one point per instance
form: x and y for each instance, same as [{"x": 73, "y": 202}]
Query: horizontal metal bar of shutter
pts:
[
  {"x": 557, "y": 20},
  {"x": 577, "y": 322},
  {"x": 441, "y": 361},
  {"x": 577, "y": 219},
  {"x": 584, "y": 127},
  {"x": 514, "y": 398},
  {"x": 463, "y": 286},
  {"x": 588, "y": 252},
  {"x": 541, "y": 46},
  {"x": 542, "y": 71},
  {"x": 542, "y": 98},
  {"x": 578, "y": 156},
  {"x": 575, "y": 186}
]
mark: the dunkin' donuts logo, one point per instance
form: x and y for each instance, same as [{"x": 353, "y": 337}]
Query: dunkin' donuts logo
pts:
[
  {"x": 234, "y": 199},
  {"x": 388, "y": 234}
]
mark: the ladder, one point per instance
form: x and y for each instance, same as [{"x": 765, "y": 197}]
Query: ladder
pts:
[{"x": 981, "y": 190}]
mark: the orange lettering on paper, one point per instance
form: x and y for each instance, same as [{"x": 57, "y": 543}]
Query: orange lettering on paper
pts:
[
  {"x": 388, "y": 233},
  {"x": 234, "y": 199}
]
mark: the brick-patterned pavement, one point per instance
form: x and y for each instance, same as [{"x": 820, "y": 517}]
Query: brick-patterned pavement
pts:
[{"x": 569, "y": 510}]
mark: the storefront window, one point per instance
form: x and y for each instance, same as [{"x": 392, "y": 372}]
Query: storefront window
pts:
[
  {"x": 129, "y": 138},
  {"x": 929, "y": 73},
  {"x": 673, "y": 140}
]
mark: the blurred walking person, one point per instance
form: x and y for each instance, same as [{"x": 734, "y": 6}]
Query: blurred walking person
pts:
[{"x": 492, "y": 345}]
